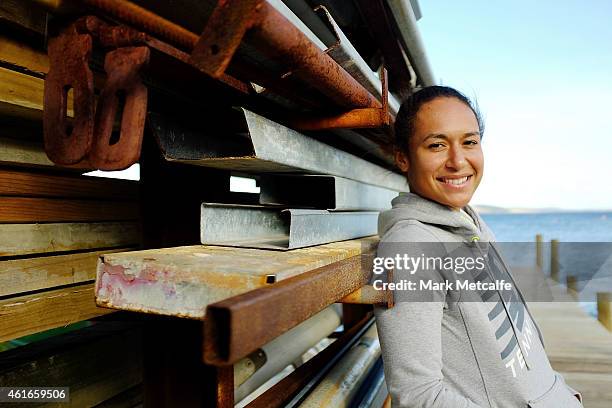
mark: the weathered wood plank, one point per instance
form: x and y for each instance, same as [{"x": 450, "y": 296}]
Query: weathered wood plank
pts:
[
  {"x": 98, "y": 363},
  {"x": 21, "y": 95},
  {"x": 23, "y": 239},
  {"x": 23, "y": 153},
  {"x": 576, "y": 344},
  {"x": 29, "y": 274},
  {"x": 23, "y": 56},
  {"x": 26, "y": 209},
  {"x": 182, "y": 281},
  {"x": 37, "y": 184},
  {"x": 28, "y": 314},
  {"x": 596, "y": 388},
  {"x": 24, "y": 15}
]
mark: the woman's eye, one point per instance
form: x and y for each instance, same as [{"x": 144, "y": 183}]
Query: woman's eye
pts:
[{"x": 435, "y": 145}]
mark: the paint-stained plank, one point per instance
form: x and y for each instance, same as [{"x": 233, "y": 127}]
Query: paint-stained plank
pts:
[
  {"x": 26, "y": 209},
  {"x": 23, "y": 239},
  {"x": 29, "y": 274},
  {"x": 182, "y": 281},
  {"x": 25, "y": 183},
  {"x": 24, "y": 315}
]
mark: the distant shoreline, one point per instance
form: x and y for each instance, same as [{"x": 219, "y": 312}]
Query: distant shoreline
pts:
[{"x": 490, "y": 209}]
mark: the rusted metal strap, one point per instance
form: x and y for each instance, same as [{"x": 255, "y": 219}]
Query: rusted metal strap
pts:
[
  {"x": 124, "y": 97},
  {"x": 239, "y": 325},
  {"x": 68, "y": 141},
  {"x": 87, "y": 136},
  {"x": 367, "y": 295},
  {"x": 223, "y": 33},
  {"x": 146, "y": 20},
  {"x": 353, "y": 119},
  {"x": 275, "y": 36}
]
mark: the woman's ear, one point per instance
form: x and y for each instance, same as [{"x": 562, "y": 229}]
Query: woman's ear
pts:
[{"x": 402, "y": 161}]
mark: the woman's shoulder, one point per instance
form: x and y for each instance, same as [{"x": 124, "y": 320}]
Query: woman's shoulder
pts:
[{"x": 411, "y": 231}]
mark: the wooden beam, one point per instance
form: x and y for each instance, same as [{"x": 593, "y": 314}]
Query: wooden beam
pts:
[
  {"x": 182, "y": 281},
  {"x": 21, "y": 14},
  {"x": 23, "y": 56},
  {"x": 98, "y": 363},
  {"x": 24, "y": 315},
  {"x": 23, "y": 239},
  {"x": 29, "y": 274},
  {"x": 37, "y": 184},
  {"x": 26, "y": 209},
  {"x": 21, "y": 95},
  {"x": 23, "y": 152}
]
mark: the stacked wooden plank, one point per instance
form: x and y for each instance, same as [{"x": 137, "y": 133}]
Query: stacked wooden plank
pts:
[
  {"x": 53, "y": 228},
  {"x": 54, "y": 222},
  {"x": 54, "y": 225}
]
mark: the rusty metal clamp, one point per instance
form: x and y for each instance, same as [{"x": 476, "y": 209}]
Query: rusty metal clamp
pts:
[
  {"x": 89, "y": 137},
  {"x": 68, "y": 141},
  {"x": 124, "y": 97}
]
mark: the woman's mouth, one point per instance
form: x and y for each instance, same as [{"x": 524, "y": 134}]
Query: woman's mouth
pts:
[{"x": 455, "y": 182}]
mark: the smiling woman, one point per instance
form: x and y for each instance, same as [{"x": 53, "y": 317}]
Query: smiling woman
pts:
[
  {"x": 438, "y": 134},
  {"x": 454, "y": 346}
]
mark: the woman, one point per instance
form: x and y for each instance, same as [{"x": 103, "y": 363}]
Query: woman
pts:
[{"x": 443, "y": 346}]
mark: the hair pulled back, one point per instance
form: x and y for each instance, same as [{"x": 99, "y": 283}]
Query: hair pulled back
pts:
[{"x": 404, "y": 122}]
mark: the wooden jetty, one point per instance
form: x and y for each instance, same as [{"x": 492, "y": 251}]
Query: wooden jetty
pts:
[{"x": 578, "y": 346}]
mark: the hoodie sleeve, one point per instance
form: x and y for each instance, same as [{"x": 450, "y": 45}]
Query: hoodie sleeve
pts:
[
  {"x": 410, "y": 338},
  {"x": 410, "y": 333}
]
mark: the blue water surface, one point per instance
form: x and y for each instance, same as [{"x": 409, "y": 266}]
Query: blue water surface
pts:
[{"x": 565, "y": 226}]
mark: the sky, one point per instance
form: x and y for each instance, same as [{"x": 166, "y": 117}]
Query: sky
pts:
[{"x": 541, "y": 73}]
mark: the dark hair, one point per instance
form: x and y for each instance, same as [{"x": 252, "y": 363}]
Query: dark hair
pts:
[{"x": 404, "y": 122}]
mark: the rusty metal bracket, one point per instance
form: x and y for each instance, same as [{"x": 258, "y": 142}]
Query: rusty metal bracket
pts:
[
  {"x": 68, "y": 140},
  {"x": 124, "y": 97},
  {"x": 354, "y": 119},
  {"x": 89, "y": 137},
  {"x": 277, "y": 38},
  {"x": 223, "y": 33},
  {"x": 237, "y": 326}
]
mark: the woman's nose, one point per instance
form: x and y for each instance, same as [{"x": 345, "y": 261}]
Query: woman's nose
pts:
[{"x": 456, "y": 158}]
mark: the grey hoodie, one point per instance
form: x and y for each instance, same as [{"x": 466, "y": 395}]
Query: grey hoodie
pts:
[{"x": 452, "y": 353}]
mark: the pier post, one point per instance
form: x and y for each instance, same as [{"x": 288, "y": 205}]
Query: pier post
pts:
[
  {"x": 539, "y": 251},
  {"x": 554, "y": 259},
  {"x": 572, "y": 285},
  {"x": 604, "y": 309}
]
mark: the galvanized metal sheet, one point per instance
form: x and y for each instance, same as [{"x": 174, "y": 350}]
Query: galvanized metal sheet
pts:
[
  {"x": 259, "y": 144},
  {"x": 270, "y": 228},
  {"x": 323, "y": 192}
]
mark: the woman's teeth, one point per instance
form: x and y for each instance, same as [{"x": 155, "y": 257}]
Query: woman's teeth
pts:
[{"x": 456, "y": 182}]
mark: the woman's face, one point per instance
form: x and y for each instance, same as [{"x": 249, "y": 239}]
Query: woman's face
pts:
[{"x": 445, "y": 161}]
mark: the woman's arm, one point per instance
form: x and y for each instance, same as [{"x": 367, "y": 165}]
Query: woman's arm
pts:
[
  {"x": 410, "y": 338},
  {"x": 410, "y": 333}
]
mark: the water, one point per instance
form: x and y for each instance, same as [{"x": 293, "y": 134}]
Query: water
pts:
[
  {"x": 564, "y": 226},
  {"x": 585, "y": 248}
]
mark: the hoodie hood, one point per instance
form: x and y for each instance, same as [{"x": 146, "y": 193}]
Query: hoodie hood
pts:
[{"x": 410, "y": 206}]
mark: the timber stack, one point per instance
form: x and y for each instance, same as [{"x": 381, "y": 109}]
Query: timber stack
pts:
[{"x": 174, "y": 290}]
